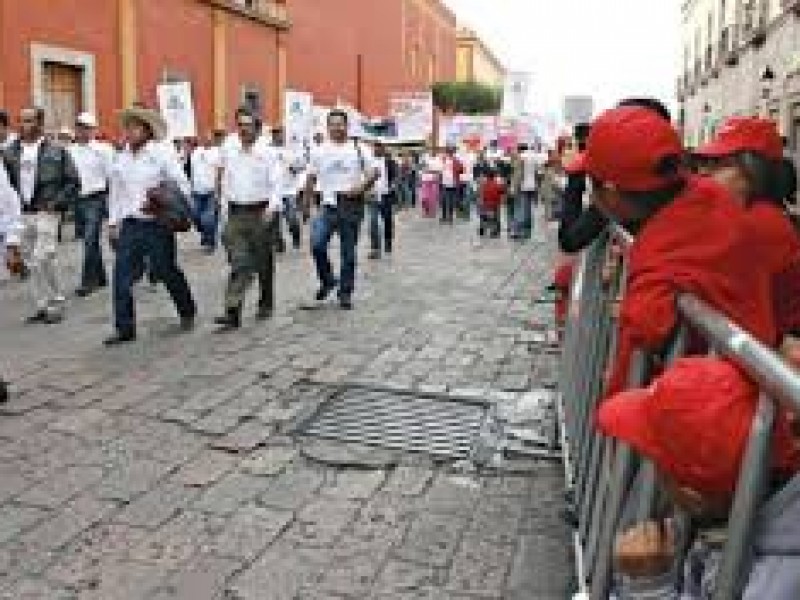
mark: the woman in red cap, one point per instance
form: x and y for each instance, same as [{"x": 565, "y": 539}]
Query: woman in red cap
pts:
[
  {"x": 746, "y": 156},
  {"x": 690, "y": 235}
]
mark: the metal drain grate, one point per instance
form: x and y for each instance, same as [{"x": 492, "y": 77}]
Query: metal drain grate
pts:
[{"x": 398, "y": 420}]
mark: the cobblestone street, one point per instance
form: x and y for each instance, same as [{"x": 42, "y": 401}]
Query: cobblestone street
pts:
[{"x": 168, "y": 469}]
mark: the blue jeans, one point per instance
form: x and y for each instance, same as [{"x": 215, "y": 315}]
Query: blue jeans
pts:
[
  {"x": 92, "y": 210},
  {"x": 206, "y": 218},
  {"x": 383, "y": 209},
  {"x": 325, "y": 224},
  {"x": 523, "y": 223},
  {"x": 292, "y": 220},
  {"x": 140, "y": 240}
]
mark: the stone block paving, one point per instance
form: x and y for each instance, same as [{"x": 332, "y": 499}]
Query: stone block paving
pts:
[{"x": 167, "y": 470}]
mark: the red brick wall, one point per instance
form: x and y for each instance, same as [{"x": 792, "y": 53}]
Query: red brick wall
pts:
[
  {"x": 56, "y": 24},
  {"x": 178, "y": 36},
  {"x": 252, "y": 60}
]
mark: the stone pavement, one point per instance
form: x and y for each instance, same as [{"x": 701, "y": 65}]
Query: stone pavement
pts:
[{"x": 165, "y": 469}]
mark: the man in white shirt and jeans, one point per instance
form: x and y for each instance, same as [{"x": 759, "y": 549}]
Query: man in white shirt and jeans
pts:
[
  {"x": 139, "y": 177},
  {"x": 291, "y": 166},
  {"x": 205, "y": 162},
  {"x": 250, "y": 188},
  {"x": 345, "y": 171},
  {"x": 92, "y": 159}
]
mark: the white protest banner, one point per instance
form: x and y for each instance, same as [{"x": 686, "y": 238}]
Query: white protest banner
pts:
[
  {"x": 413, "y": 114},
  {"x": 516, "y": 93},
  {"x": 177, "y": 108},
  {"x": 298, "y": 118}
]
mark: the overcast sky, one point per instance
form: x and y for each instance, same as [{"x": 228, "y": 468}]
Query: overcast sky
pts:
[{"x": 607, "y": 49}]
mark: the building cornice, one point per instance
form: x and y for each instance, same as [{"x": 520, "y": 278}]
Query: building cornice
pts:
[
  {"x": 467, "y": 36},
  {"x": 271, "y": 14}
]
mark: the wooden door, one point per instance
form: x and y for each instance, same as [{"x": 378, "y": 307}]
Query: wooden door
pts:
[{"x": 63, "y": 95}]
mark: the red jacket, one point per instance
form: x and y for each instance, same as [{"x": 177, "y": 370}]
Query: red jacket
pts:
[
  {"x": 701, "y": 243},
  {"x": 779, "y": 253},
  {"x": 492, "y": 194}
]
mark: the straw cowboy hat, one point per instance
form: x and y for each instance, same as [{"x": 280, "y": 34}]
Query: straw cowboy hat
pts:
[{"x": 151, "y": 118}]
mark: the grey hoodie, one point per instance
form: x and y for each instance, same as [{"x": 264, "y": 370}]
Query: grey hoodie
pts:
[{"x": 776, "y": 568}]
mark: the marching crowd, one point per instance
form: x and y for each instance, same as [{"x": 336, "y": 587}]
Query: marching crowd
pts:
[{"x": 714, "y": 222}]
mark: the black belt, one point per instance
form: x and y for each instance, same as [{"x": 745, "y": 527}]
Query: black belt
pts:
[
  {"x": 94, "y": 195},
  {"x": 242, "y": 209}
]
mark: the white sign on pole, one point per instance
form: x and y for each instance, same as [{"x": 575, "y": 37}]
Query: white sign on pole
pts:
[
  {"x": 516, "y": 93},
  {"x": 413, "y": 114},
  {"x": 298, "y": 118},
  {"x": 177, "y": 108}
]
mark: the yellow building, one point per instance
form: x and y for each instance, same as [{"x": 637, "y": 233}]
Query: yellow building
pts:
[
  {"x": 475, "y": 62},
  {"x": 739, "y": 57}
]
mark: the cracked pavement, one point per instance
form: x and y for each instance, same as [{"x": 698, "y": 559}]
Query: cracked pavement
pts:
[{"x": 167, "y": 469}]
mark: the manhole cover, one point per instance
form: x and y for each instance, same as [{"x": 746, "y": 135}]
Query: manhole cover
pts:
[{"x": 398, "y": 420}]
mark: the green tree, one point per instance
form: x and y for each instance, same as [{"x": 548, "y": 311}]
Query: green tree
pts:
[{"x": 466, "y": 97}]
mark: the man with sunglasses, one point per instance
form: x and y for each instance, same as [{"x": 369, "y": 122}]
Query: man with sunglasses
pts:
[
  {"x": 250, "y": 186},
  {"x": 45, "y": 177}
]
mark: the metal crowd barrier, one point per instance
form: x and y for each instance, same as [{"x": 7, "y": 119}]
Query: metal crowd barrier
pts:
[{"x": 609, "y": 486}]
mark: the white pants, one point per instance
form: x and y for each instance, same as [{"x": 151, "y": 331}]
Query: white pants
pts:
[{"x": 39, "y": 240}]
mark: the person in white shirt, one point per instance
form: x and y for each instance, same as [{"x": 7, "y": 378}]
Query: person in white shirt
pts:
[
  {"x": 345, "y": 171},
  {"x": 382, "y": 209},
  {"x": 140, "y": 179},
  {"x": 291, "y": 163},
  {"x": 250, "y": 189},
  {"x": 92, "y": 159},
  {"x": 531, "y": 164},
  {"x": 205, "y": 164},
  {"x": 44, "y": 176},
  {"x": 10, "y": 222}
]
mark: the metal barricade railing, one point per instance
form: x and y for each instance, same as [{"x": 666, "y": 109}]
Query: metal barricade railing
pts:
[{"x": 607, "y": 482}]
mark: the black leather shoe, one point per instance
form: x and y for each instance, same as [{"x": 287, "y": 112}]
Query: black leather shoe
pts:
[
  {"x": 187, "y": 323},
  {"x": 324, "y": 292},
  {"x": 345, "y": 303},
  {"x": 4, "y": 393},
  {"x": 39, "y": 317},
  {"x": 230, "y": 322},
  {"x": 263, "y": 314},
  {"x": 120, "y": 338}
]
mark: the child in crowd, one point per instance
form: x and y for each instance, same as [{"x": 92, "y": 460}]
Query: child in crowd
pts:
[
  {"x": 694, "y": 423},
  {"x": 493, "y": 191},
  {"x": 690, "y": 235}
]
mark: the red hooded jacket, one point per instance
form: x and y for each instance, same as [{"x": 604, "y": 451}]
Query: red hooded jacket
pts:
[
  {"x": 701, "y": 243},
  {"x": 779, "y": 253}
]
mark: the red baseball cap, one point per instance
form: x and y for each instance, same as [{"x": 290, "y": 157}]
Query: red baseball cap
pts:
[
  {"x": 745, "y": 134},
  {"x": 693, "y": 422},
  {"x": 626, "y": 146}
]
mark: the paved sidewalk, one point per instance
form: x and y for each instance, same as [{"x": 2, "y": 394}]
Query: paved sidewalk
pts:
[{"x": 165, "y": 469}]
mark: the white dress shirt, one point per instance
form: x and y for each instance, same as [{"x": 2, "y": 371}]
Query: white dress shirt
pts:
[
  {"x": 532, "y": 162},
  {"x": 132, "y": 175},
  {"x": 339, "y": 168},
  {"x": 10, "y": 211},
  {"x": 382, "y": 184},
  {"x": 205, "y": 163},
  {"x": 93, "y": 162},
  {"x": 27, "y": 169},
  {"x": 250, "y": 176}
]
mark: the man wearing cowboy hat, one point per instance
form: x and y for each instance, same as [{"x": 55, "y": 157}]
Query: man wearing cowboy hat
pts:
[
  {"x": 44, "y": 176},
  {"x": 93, "y": 160},
  {"x": 138, "y": 176}
]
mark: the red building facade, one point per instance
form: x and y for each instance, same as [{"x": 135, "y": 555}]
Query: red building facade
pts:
[
  {"x": 362, "y": 51},
  {"x": 100, "y": 55}
]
